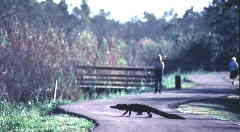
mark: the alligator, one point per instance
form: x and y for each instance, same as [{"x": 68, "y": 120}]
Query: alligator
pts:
[{"x": 140, "y": 108}]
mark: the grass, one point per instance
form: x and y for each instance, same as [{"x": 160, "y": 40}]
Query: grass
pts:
[
  {"x": 169, "y": 79},
  {"x": 34, "y": 118},
  {"x": 219, "y": 108}
]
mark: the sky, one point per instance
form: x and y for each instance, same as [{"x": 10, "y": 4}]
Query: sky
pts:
[{"x": 124, "y": 10}]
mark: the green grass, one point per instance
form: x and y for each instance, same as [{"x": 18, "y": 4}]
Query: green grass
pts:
[
  {"x": 34, "y": 118},
  {"x": 224, "y": 108},
  {"x": 217, "y": 111},
  {"x": 169, "y": 79}
]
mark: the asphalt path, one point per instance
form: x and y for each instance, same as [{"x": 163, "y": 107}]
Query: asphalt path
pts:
[{"x": 109, "y": 120}]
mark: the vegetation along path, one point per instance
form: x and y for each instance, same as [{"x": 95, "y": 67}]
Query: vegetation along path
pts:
[{"x": 110, "y": 120}]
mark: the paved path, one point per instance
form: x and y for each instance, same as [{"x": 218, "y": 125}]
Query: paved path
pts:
[{"x": 109, "y": 120}]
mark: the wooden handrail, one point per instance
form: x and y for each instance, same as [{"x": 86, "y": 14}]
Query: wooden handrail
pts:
[
  {"x": 117, "y": 80},
  {"x": 113, "y": 84},
  {"x": 115, "y": 77},
  {"x": 118, "y": 75},
  {"x": 107, "y": 87},
  {"x": 117, "y": 68}
]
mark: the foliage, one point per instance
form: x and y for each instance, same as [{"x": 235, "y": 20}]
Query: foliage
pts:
[
  {"x": 34, "y": 118},
  {"x": 222, "y": 29},
  {"x": 41, "y": 42}
]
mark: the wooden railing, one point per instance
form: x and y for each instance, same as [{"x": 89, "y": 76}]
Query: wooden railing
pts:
[{"x": 101, "y": 77}]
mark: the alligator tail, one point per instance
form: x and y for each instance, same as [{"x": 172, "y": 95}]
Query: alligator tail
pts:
[{"x": 167, "y": 115}]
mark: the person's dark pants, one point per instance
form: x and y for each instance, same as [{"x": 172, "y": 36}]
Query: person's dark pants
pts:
[
  {"x": 233, "y": 74},
  {"x": 158, "y": 79}
]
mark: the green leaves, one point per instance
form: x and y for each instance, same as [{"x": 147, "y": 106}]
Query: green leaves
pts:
[{"x": 35, "y": 119}]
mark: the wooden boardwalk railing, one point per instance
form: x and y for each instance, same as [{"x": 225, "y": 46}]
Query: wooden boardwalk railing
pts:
[{"x": 115, "y": 77}]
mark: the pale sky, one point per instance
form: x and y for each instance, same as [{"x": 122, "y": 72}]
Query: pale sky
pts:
[{"x": 123, "y": 10}]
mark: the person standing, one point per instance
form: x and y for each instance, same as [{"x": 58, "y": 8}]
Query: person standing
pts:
[
  {"x": 233, "y": 69},
  {"x": 159, "y": 69}
]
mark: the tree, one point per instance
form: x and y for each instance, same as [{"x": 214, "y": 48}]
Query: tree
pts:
[
  {"x": 85, "y": 12},
  {"x": 222, "y": 19}
]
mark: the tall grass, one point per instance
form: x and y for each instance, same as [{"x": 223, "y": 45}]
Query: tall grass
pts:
[{"x": 34, "y": 118}]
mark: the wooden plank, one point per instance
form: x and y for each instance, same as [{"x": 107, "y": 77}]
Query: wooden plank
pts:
[
  {"x": 117, "y": 68},
  {"x": 123, "y": 78},
  {"x": 115, "y": 84},
  {"x": 108, "y": 87},
  {"x": 119, "y": 75},
  {"x": 117, "y": 80}
]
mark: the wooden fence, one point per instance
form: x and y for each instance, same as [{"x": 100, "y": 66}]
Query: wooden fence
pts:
[{"x": 118, "y": 78}]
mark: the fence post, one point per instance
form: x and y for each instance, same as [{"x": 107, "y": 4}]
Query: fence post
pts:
[
  {"x": 178, "y": 82},
  {"x": 55, "y": 91},
  {"x": 156, "y": 79}
]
